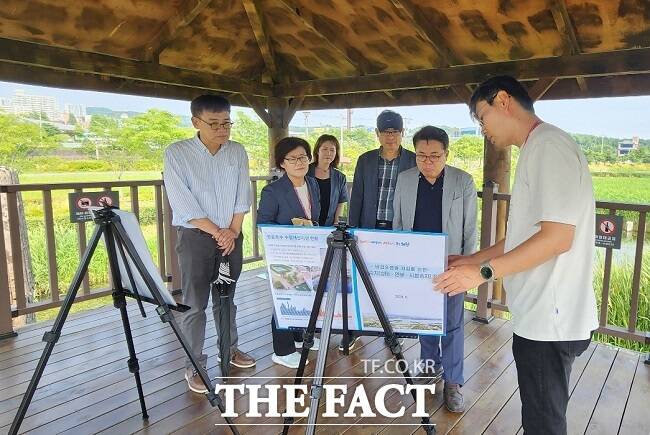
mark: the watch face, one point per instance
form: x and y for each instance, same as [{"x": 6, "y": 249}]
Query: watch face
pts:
[{"x": 486, "y": 272}]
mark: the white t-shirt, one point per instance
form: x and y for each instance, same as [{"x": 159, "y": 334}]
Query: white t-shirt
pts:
[
  {"x": 303, "y": 196},
  {"x": 554, "y": 301}
]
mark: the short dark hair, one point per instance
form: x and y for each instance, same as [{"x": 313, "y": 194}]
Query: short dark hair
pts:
[
  {"x": 211, "y": 103},
  {"x": 488, "y": 90},
  {"x": 288, "y": 144},
  {"x": 430, "y": 132},
  {"x": 328, "y": 138}
]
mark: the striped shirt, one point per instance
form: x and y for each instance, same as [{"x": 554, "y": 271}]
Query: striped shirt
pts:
[
  {"x": 386, "y": 182},
  {"x": 201, "y": 185}
]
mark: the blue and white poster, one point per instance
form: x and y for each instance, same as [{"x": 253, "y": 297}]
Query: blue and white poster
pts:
[
  {"x": 294, "y": 260},
  {"x": 401, "y": 266}
]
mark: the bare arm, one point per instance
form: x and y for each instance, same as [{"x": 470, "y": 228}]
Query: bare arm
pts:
[{"x": 552, "y": 240}]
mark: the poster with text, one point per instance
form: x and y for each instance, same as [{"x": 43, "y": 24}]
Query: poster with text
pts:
[
  {"x": 402, "y": 266},
  {"x": 294, "y": 259}
]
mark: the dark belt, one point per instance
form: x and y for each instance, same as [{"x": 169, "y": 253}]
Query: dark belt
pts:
[
  {"x": 384, "y": 225},
  {"x": 195, "y": 230}
]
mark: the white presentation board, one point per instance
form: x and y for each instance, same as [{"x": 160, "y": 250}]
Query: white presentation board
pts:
[{"x": 401, "y": 265}]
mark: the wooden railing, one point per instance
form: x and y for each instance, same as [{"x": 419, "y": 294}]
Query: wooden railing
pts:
[
  {"x": 485, "y": 303},
  {"x": 168, "y": 264},
  {"x": 165, "y": 241}
]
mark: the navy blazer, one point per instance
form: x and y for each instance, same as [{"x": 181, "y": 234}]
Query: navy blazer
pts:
[
  {"x": 279, "y": 202},
  {"x": 338, "y": 191},
  {"x": 363, "y": 203}
]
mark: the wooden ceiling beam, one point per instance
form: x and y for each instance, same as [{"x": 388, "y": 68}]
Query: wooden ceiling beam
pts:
[
  {"x": 426, "y": 31},
  {"x": 183, "y": 16},
  {"x": 433, "y": 37},
  {"x": 64, "y": 59},
  {"x": 259, "y": 106},
  {"x": 540, "y": 87},
  {"x": 567, "y": 31},
  {"x": 259, "y": 27},
  {"x": 294, "y": 105},
  {"x": 337, "y": 42},
  {"x": 382, "y": 99},
  {"x": 78, "y": 81},
  {"x": 634, "y": 61}
]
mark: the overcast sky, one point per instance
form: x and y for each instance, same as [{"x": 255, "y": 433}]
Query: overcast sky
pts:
[{"x": 622, "y": 117}]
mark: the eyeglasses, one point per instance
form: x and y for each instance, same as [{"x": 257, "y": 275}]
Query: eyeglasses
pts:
[
  {"x": 433, "y": 158},
  {"x": 489, "y": 100},
  {"x": 216, "y": 125},
  {"x": 294, "y": 160},
  {"x": 390, "y": 133}
]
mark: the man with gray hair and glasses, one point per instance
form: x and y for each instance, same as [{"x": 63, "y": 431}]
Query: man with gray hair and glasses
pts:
[{"x": 208, "y": 187}]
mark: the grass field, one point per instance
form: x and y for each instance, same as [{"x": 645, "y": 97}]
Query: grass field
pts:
[{"x": 618, "y": 188}]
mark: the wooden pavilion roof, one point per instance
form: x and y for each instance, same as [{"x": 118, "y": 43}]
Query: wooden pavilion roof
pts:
[{"x": 328, "y": 53}]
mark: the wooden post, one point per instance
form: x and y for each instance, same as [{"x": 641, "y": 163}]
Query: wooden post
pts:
[
  {"x": 277, "y": 127},
  {"x": 20, "y": 275},
  {"x": 496, "y": 169},
  {"x": 6, "y": 324},
  {"x": 488, "y": 230}
]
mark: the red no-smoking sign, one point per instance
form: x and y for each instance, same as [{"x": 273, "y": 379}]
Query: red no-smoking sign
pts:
[{"x": 80, "y": 203}]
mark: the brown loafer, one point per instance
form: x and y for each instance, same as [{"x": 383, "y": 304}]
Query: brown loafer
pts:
[
  {"x": 194, "y": 381},
  {"x": 242, "y": 360}
]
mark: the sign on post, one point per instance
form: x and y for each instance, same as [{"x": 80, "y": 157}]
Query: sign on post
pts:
[
  {"x": 609, "y": 229},
  {"x": 80, "y": 203}
]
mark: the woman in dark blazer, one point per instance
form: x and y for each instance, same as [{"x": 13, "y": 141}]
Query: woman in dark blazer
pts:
[
  {"x": 332, "y": 183},
  {"x": 294, "y": 195}
]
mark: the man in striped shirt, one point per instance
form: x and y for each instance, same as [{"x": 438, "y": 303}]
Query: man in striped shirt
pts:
[{"x": 207, "y": 184}]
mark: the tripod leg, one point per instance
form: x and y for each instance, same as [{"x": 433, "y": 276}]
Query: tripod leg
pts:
[
  {"x": 311, "y": 326},
  {"x": 167, "y": 317},
  {"x": 120, "y": 303},
  {"x": 344, "y": 304},
  {"x": 319, "y": 370},
  {"x": 391, "y": 337},
  {"x": 52, "y": 336}
]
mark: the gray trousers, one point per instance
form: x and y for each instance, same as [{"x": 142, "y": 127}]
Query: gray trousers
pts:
[{"x": 199, "y": 258}]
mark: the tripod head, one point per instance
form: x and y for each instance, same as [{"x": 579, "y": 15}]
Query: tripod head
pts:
[
  {"x": 342, "y": 225},
  {"x": 105, "y": 214},
  {"x": 341, "y": 232}
]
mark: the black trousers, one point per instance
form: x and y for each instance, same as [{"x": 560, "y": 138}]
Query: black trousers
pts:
[{"x": 543, "y": 370}]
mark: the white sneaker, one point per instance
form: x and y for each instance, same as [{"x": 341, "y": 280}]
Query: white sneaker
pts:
[
  {"x": 292, "y": 360},
  {"x": 315, "y": 346},
  {"x": 353, "y": 342}
]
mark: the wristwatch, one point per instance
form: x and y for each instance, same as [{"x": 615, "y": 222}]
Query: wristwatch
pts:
[{"x": 487, "y": 272}]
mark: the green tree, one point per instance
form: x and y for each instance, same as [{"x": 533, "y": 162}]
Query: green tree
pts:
[
  {"x": 20, "y": 139},
  {"x": 147, "y": 135},
  {"x": 468, "y": 149},
  {"x": 102, "y": 133},
  {"x": 253, "y": 134},
  {"x": 36, "y": 115}
]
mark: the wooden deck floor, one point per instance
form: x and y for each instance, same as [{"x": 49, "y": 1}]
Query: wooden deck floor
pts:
[{"x": 87, "y": 388}]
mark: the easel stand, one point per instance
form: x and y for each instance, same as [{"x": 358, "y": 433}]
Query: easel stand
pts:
[
  {"x": 109, "y": 225},
  {"x": 334, "y": 267}
]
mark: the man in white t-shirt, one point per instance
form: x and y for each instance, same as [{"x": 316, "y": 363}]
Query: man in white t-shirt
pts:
[{"x": 546, "y": 258}]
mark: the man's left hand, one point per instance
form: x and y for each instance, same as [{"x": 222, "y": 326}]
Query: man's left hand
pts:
[
  {"x": 458, "y": 279},
  {"x": 226, "y": 240}
]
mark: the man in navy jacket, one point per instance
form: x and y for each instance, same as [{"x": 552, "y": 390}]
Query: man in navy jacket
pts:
[{"x": 375, "y": 176}]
